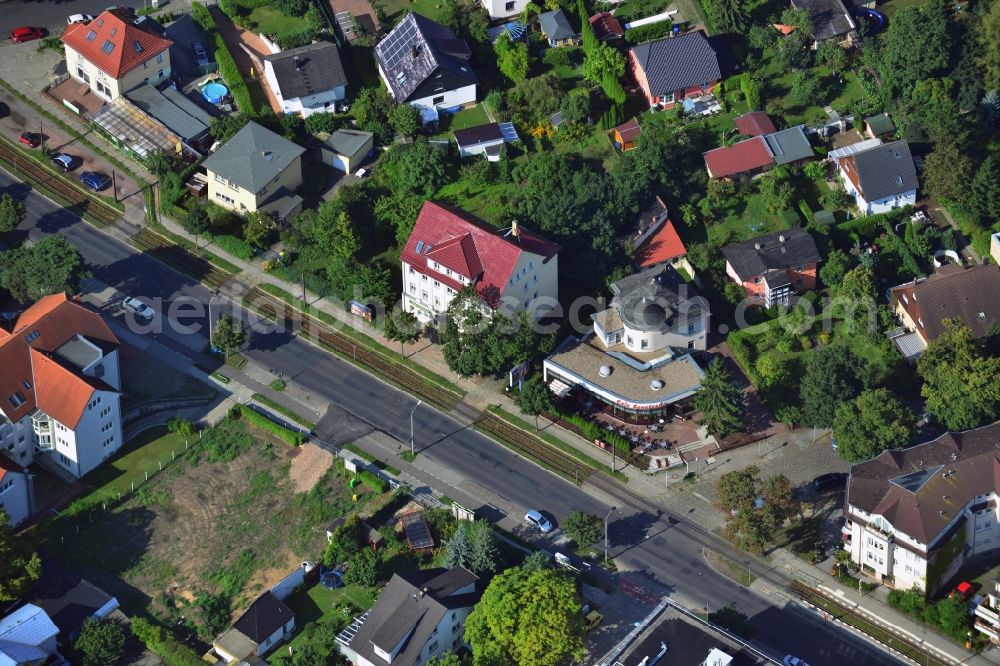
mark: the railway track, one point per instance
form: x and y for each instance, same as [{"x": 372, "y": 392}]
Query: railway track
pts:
[
  {"x": 530, "y": 446},
  {"x": 99, "y": 213},
  {"x": 403, "y": 376},
  {"x": 180, "y": 259}
]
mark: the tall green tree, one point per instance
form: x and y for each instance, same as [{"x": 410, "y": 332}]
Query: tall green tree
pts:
[
  {"x": 20, "y": 566},
  {"x": 755, "y": 509},
  {"x": 447, "y": 659},
  {"x": 258, "y": 228},
  {"x": 344, "y": 542},
  {"x": 47, "y": 267},
  {"x": 11, "y": 213},
  {"x": 399, "y": 211},
  {"x": 527, "y": 618},
  {"x": 196, "y": 221},
  {"x": 960, "y": 382},
  {"x": 101, "y": 642},
  {"x": 418, "y": 168},
  {"x": 601, "y": 61},
  {"x": 585, "y": 529},
  {"x": 402, "y": 327},
  {"x": 534, "y": 397},
  {"x": 871, "y": 423},
  {"x": 915, "y": 46},
  {"x": 728, "y": 15},
  {"x": 834, "y": 268},
  {"x": 831, "y": 54},
  {"x": 512, "y": 57},
  {"x": 834, "y": 374},
  {"x": 362, "y": 568},
  {"x": 720, "y": 400},
  {"x": 989, "y": 28},
  {"x": 228, "y": 334},
  {"x": 405, "y": 119},
  {"x": 948, "y": 172}
]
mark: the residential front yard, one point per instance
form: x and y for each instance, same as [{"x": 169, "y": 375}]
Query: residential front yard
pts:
[{"x": 271, "y": 21}]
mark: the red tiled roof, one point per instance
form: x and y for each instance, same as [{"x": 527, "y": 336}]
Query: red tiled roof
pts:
[
  {"x": 606, "y": 25},
  {"x": 56, "y": 319},
  {"x": 8, "y": 465},
  {"x": 130, "y": 45},
  {"x": 738, "y": 158},
  {"x": 662, "y": 246},
  {"x": 59, "y": 392},
  {"x": 459, "y": 241},
  {"x": 755, "y": 123},
  {"x": 629, "y": 131}
]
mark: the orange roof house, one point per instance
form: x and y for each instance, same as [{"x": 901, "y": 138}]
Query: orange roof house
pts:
[
  {"x": 627, "y": 134},
  {"x": 112, "y": 54},
  {"x": 60, "y": 378}
]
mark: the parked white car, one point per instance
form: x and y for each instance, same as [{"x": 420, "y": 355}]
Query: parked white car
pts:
[
  {"x": 538, "y": 520},
  {"x": 79, "y": 18},
  {"x": 138, "y": 308}
]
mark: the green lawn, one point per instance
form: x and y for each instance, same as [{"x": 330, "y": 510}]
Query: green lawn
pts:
[
  {"x": 464, "y": 119},
  {"x": 271, "y": 21},
  {"x": 319, "y": 604},
  {"x": 395, "y": 10},
  {"x": 748, "y": 219},
  {"x": 141, "y": 454}
]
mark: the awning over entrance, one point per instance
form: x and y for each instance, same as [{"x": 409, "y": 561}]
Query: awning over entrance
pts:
[{"x": 560, "y": 388}]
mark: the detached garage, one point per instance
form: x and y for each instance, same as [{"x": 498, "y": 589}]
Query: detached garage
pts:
[{"x": 346, "y": 149}]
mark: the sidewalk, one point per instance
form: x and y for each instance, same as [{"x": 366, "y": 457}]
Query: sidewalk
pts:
[{"x": 877, "y": 610}]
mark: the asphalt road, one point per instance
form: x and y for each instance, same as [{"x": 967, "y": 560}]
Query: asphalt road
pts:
[
  {"x": 669, "y": 555},
  {"x": 52, "y": 14}
]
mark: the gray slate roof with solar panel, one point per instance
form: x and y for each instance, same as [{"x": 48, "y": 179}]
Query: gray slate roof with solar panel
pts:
[{"x": 417, "y": 49}]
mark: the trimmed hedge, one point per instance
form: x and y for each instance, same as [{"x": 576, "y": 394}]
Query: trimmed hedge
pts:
[
  {"x": 373, "y": 481},
  {"x": 594, "y": 431},
  {"x": 235, "y": 246},
  {"x": 647, "y": 33},
  {"x": 230, "y": 73},
  {"x": 290, "y": 437}
]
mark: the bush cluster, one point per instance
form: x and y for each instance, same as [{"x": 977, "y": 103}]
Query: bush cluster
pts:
[
  {"x": 649, "y": 32},
  {"x": 230, "y": 73},
  {"x": 593, "y": 431},
  {"x": 234, "y": 246},
  {"x": 373, "y": 481},
  {"x": 290, "y": 437}
]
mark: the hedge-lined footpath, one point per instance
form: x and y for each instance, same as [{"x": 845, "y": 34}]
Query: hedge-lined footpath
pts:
[{"x": 289, "y": 436}]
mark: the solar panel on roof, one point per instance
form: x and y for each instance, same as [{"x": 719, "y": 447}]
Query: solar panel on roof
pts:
[
  {"x": 418, "y": 535},
  {"x": 915, "y": 480}
]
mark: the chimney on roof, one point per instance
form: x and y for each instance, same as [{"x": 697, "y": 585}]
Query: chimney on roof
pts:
[
  {"x": 781, "y": 238},
  {"x": 298, "y": 63},
  {"x": 514, "y": 231},
  {"x": 756, "y": 246}
]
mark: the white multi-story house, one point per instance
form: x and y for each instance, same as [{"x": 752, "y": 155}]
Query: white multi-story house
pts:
[
  {"x": 426, "y": 65},
  {"x": 113, "y": 54},
  {"x": 881, "y": 178},
  {"x": 17, "y": 495},
  {"x": 499, "y": 9},
  {"x": 308, "y": 79},
  {"x": 637, "y": 361},
  {"x": 60, "y": 386},
  {"x": 512, "y": 270},
  {"x": 915, "y": 516},
  {"x": 418, "y": 615}
]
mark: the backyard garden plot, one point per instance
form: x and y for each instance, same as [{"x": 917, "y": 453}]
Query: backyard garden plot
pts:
[{"x": 222, "y": 521}]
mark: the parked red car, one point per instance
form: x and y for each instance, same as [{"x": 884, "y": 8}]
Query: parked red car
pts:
[
  {"x": 26, "y": 34},
  {"x": 30, "y": 139},
  {"x": 963, "y": 590}
]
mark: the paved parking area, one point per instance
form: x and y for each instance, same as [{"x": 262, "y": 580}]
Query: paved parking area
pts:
[
  {"x": 185, "y": 32},
  {"x": 24, "y": 66}
]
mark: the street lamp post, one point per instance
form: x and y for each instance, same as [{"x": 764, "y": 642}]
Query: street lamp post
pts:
[
  {"x": 610, "y": 511},
  {"x": 419, "y": 402}
]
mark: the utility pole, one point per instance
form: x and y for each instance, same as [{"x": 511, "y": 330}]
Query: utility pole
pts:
[
  {"x": 610, "y": 511},
  {"x": 114, "y": 185},
  {"x": 302, "y": 277},
  {"x": 419, "y": 402}
]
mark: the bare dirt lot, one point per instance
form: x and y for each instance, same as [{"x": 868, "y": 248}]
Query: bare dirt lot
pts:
[{"x": 223, "y": 521}]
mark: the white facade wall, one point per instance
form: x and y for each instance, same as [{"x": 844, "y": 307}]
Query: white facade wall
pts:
[
  {"x": 995, "y": 247},
  {"x": 880, "y": 205},
  {"x": 156, "y": 70},
  {"x": 15, "y": 496},
  {"x": 448, "y": 98},
  {"x": 504, "y": 8},
  {"x": 277, "y": 637},
  {"x": 479, "y": 148},
  {"x": 305, "y": 106},
  {"x": 691, "y": 336},
  {"x": 446, "y": 636},
  {"x": 17, "y": 440},
  {"x": 97, "y": 437},
  {"x": 532, "y": 279}
]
